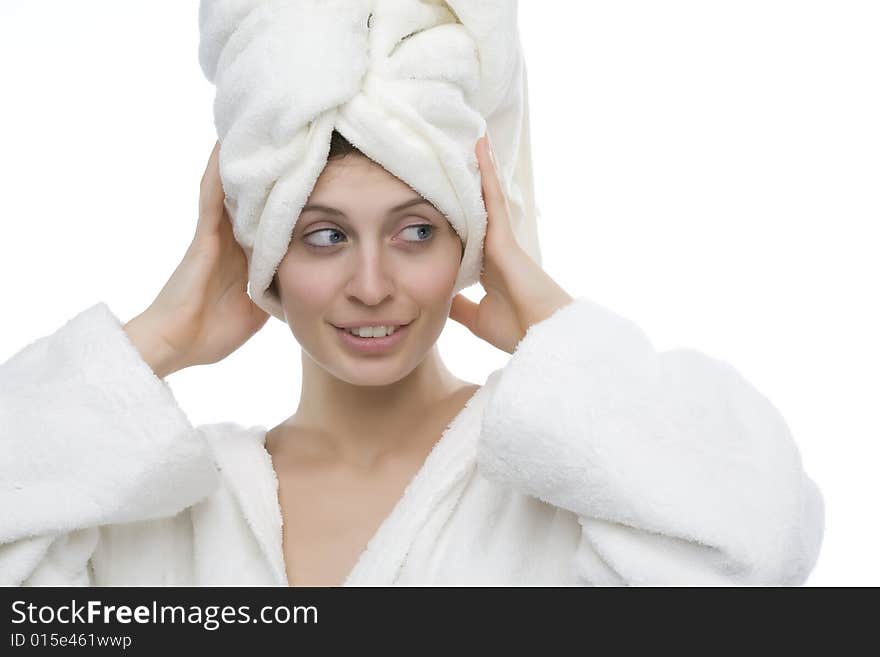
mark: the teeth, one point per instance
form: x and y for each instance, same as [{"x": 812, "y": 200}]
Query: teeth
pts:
[{"x": 372, "y": 331}]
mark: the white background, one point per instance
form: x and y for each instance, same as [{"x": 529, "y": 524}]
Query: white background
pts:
[{"x": 708, "y": 169}]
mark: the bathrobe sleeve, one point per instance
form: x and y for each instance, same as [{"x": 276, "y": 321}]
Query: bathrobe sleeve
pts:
[
  {"x": 679, "y": 470},
  {"x": 89, "y": 436}
]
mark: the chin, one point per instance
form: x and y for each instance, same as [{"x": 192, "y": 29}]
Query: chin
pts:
[{"x": 375, "y": 374}]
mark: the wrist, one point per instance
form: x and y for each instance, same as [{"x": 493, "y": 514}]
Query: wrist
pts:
[
  {"x": 547, "y": 307},
  {"x": 143, "y": 334}
]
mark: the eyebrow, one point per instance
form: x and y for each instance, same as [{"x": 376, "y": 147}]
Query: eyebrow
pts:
[{"x": 406, "y": 204}]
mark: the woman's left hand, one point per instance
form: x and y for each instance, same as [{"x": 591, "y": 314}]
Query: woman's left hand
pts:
[{"x": 519, "y": 293}]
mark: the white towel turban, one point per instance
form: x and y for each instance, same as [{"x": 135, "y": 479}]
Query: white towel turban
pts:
[{"x": 413, "y": 84}]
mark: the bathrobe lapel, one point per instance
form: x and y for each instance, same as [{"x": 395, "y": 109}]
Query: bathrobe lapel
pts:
[
  {"x": 451, "y": 459},
  {"x": 248, "y": 469}
]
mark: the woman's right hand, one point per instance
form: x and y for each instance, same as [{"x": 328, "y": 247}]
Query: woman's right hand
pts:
[{"x": 203, "y": 313}]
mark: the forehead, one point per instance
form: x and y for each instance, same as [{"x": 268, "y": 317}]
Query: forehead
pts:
[
  {"x": 356, "y": 186},
  {"x": 356, "y": 174}
]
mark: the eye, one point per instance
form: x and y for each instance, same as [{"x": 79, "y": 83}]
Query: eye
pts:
[
  {"x": 332, "y": 233},
  {"x": 421, "y": 232}
]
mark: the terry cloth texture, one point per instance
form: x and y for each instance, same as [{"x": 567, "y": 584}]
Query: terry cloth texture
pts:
[
  {"x": 413, "y": 84},
  {"x": 591, "y": 458}
]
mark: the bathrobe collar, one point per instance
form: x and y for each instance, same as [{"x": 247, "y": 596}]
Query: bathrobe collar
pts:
[{"x": 249, "y": 472}]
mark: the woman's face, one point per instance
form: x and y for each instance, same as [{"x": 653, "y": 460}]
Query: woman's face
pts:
[{"x": 363, "y": 259}]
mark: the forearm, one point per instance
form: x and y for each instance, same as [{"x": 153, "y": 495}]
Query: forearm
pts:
[
  {"x": 680, "y": 469},
  {"x": 90, "y": 437}
]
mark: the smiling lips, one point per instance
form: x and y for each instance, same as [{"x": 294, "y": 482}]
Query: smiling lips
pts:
[
  {"x": 377, "y": 344},
  {"x": 374, "y": 322},
  {"x": 373, "y": 331}
]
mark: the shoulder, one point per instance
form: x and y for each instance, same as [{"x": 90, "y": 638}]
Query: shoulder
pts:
[
  {"x": 467, "y": 390},
  {"x": 227, "y": 438}
]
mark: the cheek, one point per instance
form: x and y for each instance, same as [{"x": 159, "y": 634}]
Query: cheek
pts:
[
  {"x": 430, "y": 278},
  {"x": 306, "y": 285}
]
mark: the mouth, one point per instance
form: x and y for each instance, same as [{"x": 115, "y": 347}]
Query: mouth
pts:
[{"x": 375, "y": 345}]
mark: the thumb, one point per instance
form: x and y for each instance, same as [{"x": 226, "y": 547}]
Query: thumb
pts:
[{"x": 464, "y": 311}]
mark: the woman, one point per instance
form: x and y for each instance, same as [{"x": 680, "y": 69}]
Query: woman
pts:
[{"x": 588, "y": 459}]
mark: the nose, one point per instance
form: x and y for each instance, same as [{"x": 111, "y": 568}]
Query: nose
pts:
[{"x": 371, "y": 282}]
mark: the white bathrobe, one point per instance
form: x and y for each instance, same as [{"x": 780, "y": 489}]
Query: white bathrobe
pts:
[{"x": 589, "y": 459}]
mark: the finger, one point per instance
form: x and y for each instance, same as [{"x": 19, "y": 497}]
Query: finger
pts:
[
  {"x": 493, "y": 192},
  {"x": 211, "y": 193},
  {"x": 464, "y": 311}
]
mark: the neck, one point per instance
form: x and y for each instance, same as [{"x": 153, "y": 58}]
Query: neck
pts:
[{"x": 358, "y": 423}]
